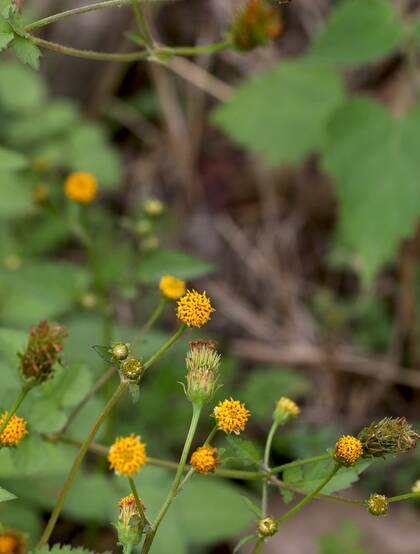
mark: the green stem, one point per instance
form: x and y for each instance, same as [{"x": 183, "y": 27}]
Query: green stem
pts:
[
  {"x": 309, "y": 496},
  {"x": 165, "y": 347},
  {"x": 78, "y": 460},
  {"x": 142, "y": 23},
  {"x": 297, "y": 463},
  {"x": 269, "y": 442},
  {"x": 75, "y": 11},
  {"x": 138, "y": 502},
  {"x": 178, "y": 476},
  {"x": 211, "y": 435},
  {"x": 406, "y": 496},
  {"x": 150, "y": 322},
  {"x": 258, "y": 547},
  {"x": 194, "y": 50},
  {"x": 191, "y": 470},
  {"x": 21, "y": 397}
]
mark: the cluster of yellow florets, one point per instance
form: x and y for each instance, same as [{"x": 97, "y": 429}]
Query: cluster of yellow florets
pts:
[
  {"x": 171, "y": 287},
  {"x": 81, "y": 187},
  {"x": 127, "y": 455},
  {"x": 194, "y": 309},
  {"x": 377, "y": 504},
  {"x": 204, "y": 459},
  {"x": 12, "y": 542},
  {"x": 348, "y": 449},
  {"x": 15, "y": 430},
  {"x": 287, "y": 407},
  {"x": 231, "y": 416}
]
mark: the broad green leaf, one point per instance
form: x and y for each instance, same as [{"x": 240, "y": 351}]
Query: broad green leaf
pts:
[
  {"x": 6, "y": 495},
  {"x": 266, "y": 112},
  {"x": 21, "y": 88},
  {"x": 16, "y": 515},
  {"x": 69, "y": 384},
  {"x": 5, "y": 40},
  {"x": 172, "y": 262},
  {"x": 245, "y": 450},
  {"x": 26, "y": 51},
  {"x": 11, "y": 161},
  {"x": 359, "y": 31},
  {"x": 266, "y": 385},
  {"x": 19, "y": 203},
  {"x": 11, "y": 343},
  {"x": 374, "y": 158}
]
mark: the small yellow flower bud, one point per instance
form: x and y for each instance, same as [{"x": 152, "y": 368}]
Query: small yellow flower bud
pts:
[
  {"x": 81, "y": 187},
  {"x": 204, "y": 459},
  {"x": 153, "y": 207},
  {"x": 377, "y": 505},
  {"x": 131, "y": 370},
  {"x": 416, "y": 486},
  {"x": 348, "y": 450},
  {"x": 171, "y": 287},
  {"x": 267, "y": 527},
  {"x": 285, "y": 410}
]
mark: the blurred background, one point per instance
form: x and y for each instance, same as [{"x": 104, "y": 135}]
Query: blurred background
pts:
[{"x": 289, "y": 186}]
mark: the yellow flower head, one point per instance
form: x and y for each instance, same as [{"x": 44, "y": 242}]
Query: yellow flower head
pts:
[
  {"x": 81, "y": 187},
  {"x": 348, "y": 450},
  {"x": 194, "y": 309},
  {"x": 12, "y": 542},
  {"x": 285, "y": 409},
  {"x": 231, "y": 416},
  {"x": 15, "y": 430},
  {"x": 204, "y": 459},
  {"x": 171, "y": 287},
  {"x": 127, "y": 455},
  {"x": 377, "y": 505}
]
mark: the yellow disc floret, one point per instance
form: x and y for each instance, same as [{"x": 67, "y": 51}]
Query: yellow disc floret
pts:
[
  {"x": 194, "y": 309},
  {"x": 204, "y": 459},
  {"x": 81, "y": 187},
  {"x": 15, "y": 430},
  {"x": 378, "y": 505},
  {"x": 12, "y": 542},
  {"x": 287, "y": 407},
  {"x": 171, "y": 287},
  {"x": 127, "y": 455},
  {"x": 231, "y": 416},
  {"x": 348, "y": 450}
]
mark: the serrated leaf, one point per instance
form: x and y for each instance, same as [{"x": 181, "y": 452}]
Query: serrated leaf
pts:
[
  {"x": 374, "y": 158},
  {"x": 266, "y": 111},
  {"x": 5, "y": 40},
  {"x": 245, "y": 450},
  {"x": 359, "y": 31},
  {"x": 10, "y": 160},
  {"x": 26, "y": 51},
  {"x": 172, "y": 262},
  {"x": 6, "y": 495},
  {"x": 61, "y": 549},
  {"x": 244, "y": 541}
]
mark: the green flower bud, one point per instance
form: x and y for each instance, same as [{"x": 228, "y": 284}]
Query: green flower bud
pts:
[
  {"x": 377, "y": 505},
  {"x": 267, "y": 527},
  {"x": 203, "y": 363},
  {"x": 131, "y": 370},
  {"x": 120, "y": 351}
]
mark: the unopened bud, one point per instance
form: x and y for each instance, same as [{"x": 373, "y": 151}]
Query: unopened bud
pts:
[
  {"x": 120, "y": 351},
  {"x": 285, "y": 410},
  {"x": 267, "y": 527},
  {"x": 153, "y": 207},
  {"x": 131, "y": 370},
  {"x": 203, "y": 363},
  {"x": 377, "y": 505}
]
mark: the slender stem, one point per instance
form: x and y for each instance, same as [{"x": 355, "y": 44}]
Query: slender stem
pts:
[
  {"x": 258, "y": 547},
  {"x": 150, "y": 322},
  {"x": 309, "y": 496},
  {"x": 78, "y": 460},
  {"x": 406, "y": 496},
  {"x": 211, "y": 435},
  {"x": 142, "y": 23},
  {"x": 165, "y": 347},
  {"x": 75, "y": 11},
  {"x": 194, "y": 50},
  {"x": 191, "y": 471},
  {"x": 139, "y": 505},
  {"x": 297, "y": 463},
  {"x": 178, "y": 476},
  {"x": 20, "y": 398},
  {"x": 269, "y": 442},
  {"x": 99, "y": 383}
]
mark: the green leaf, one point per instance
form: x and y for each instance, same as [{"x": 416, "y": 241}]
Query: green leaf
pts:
[
  {"x": 266, "y": 111},
  {"x": 245, "y": 450},
  {"x": 10, "y": 160},
  {"x": 26, "y": 51},
  {"x": 21, "y": 89},
  {"x": 374, "y": 158},
  {"x": 69, "y": 385},
  {"x": 61, "y": 549},
  {"x": 255, "y": 509},
  {"x": 6, "y": 495},
  {"x": 359, "y": 31},
  {"x": 244, "y": 541},
  {"x": 6, "y": 7},
  {"x": 5, "y": 40},
  {"x": 171, "y": 262}
]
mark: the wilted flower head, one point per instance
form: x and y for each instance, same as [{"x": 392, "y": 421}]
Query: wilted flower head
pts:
[
  {"x": 203, "y": 363},
  {"x": 128, "y": 508},
  {"x": 171, "y": 287},
  {"x": 388, "y": 436},
  {"x": 15, "y": 430},
  {"x": 130, "y": 524},
  {"x": 127, "y": 455},
  {"x": 255, "y": 25},
  {"x": 42, "y": 352},
  {"x": 194, "y": 309},
  {"x": 285, "y": 410},
  {"x": 12, "y": 542},
  {"x": 231, "y": 416},
  {"x": 377, "y": 504},
  {"x": 81, "y": 187},
  {"x": 348, "y": 450},
  {"x": 267, "y": 527},
  {"x": 204, "y": 459}
]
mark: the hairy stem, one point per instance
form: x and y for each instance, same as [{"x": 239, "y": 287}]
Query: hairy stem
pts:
[
  {"x": 139, "y": 505},
  {"x": 177, "y": 480},
  {"x": 78, "y": 460},
  {"x": 406, "y": 496}
]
